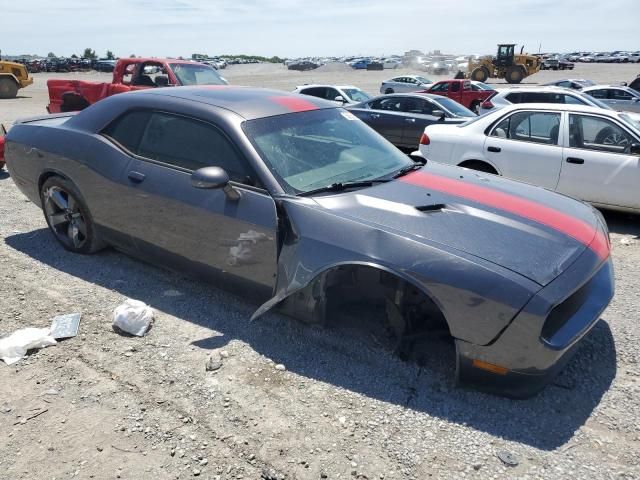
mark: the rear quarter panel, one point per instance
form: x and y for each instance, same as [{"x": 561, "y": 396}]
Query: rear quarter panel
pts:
[{"x": 88, "y": 160}]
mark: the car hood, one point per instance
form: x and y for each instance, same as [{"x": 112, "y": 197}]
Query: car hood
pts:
[{"x": 529, "y": 230}]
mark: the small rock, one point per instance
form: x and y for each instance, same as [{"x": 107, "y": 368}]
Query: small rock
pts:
[
  {"x": 224, "y": 354},
  {"x": 280, "y": 367},
  {"x": 99, "y": 448},
  {"x": 477, "y": 466},
  {"x": 214, "y": 362},
  {"x": 203, "y": 462},
  {"x": 51, "y": 391},
  {"x": 196, "y": 472},
  {"x": 507, "y": 458}
]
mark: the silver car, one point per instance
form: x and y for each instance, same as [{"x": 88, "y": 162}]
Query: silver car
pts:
[
  {"x": 405, "y": 84},
  {"x": 542, "y": 94},
  {"x": 619, "y": 98}
]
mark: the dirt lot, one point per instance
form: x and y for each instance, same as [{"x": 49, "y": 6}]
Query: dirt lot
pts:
[{"x": 288, "y": 401}]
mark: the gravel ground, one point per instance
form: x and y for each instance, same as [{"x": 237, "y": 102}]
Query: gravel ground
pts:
[{"x": 288, "y": 400}]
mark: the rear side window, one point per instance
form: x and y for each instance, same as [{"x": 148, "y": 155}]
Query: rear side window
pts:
[
  {"x": 537, "y": 127},
  {"x": 602, "y": 93},
  {"x": 594, "y": 133},
  {"x": 128, "y": 129},
  {"x": 319, "y": 92}
]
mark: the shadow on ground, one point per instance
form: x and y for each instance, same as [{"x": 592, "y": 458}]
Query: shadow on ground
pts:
[
  {"x": 623, "y": 223},
  {"x": 347, "y": 360}
]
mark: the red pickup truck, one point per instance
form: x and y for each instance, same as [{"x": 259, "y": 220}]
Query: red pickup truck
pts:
[
  {"x": 130, "y": 74},
  {"x": 467, "y": 93}
]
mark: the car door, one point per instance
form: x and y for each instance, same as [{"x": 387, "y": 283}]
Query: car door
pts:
[
  {"x": 203, "y": 231},
  {"x": 385, "y": 117},
  {"x": 418, "y": 113},
  {"x": 623, "y": 100},
  {"x": 525, "y": 146},
  {"x": 597, "y": 165}
]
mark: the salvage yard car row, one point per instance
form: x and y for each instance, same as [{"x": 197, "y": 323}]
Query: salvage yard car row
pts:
[{"x": 515, "y": 274}]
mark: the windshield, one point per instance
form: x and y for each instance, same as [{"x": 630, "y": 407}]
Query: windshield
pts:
[
  {"x": 423, "y": 80},
  {"x": 632, "y": 119},
  {"x": 356, "y": 94},
  {"x": 196, "y": 74},
  {"x": 598, "y": 103},
  {"x": 314, "y": 149},
  {"x": 453, "y": 107},
  {"x": 483, "y": 86}
]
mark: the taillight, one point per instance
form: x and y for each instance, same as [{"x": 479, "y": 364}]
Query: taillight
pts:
[
  {"x": 487, "y": 105},
  {"x": 424, "y": 139},
  {"x": 2, "y": 149}
]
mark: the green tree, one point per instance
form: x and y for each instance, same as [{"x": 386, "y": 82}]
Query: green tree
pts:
[
  {"x": 51, "y": 55},
  {"x": 110, "y": 55},
  {"x": 74, "y": 56},
  {"x": 133, "y": 55},
  {"x": 90, "y": 54}
]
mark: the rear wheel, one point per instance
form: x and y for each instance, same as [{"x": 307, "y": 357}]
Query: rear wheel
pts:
[
  {"x": 68, "y": 216},
  {"x": 479, "y": 166},
  {"x": 480, "y": 74},
  {"x": 514, "y": 74},
  {"x": 8, "y": 88}
]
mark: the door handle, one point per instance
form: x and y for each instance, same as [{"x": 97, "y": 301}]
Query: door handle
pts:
[
  {"x": 410, "y": 120},
  {"x": 136, "y": 177},
  {"x": 375, "y": 115},
  {"x": 494, "y": 149},
  {"x": 578, "y": 161}
]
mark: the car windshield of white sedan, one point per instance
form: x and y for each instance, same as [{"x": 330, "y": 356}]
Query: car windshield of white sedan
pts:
[
  {"x": 310, "y": 150},
  {"x": 356, "y": 94},
  {"x": 631, "y": 119},
  {"x": 195, "y": 74},
  {"x": 454, "y": 107}
]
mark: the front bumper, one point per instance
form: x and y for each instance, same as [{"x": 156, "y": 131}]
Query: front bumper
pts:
[
  {"x": 543, "y": 336},
  {"x": 26, "y": 82}
]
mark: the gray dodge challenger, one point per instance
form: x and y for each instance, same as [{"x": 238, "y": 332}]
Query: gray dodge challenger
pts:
[{"x": 298, "y": 203}]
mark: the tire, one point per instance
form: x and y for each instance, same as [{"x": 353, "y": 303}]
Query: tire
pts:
[
  {"x": 68, "y": 216},
  {"x": 1, "y": 165},
  {"x": 479, "y": 166},
  {"x": 514, "y": 74},
  {"x": 475, "y": 107},
  {"x": 480, "y": 74},
  {"x": 8, "y": 88},
  {"x": 608, "y": 136},
  {"x": 388, "y": 91}
]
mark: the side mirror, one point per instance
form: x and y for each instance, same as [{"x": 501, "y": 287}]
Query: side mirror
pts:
[
  {"x": 340, "y": 98},
  {"x": 440, "y": 114},
  {"x": 212, "y": 178},
  {"x": 634, "y": 149}
]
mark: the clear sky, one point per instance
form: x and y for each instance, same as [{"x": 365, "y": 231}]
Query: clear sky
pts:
[{"x": 290, "y": 28}]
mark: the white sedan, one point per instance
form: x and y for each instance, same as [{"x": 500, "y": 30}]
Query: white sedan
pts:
[{"x": 588, "y": 153}]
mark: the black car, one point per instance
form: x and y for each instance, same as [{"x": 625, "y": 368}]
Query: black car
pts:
[
  {"x": 303, "y": 66},
  {"x": 402, "y": 117}
]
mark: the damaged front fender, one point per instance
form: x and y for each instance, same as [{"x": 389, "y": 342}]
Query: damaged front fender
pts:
[{"x": 477, "y": 298}]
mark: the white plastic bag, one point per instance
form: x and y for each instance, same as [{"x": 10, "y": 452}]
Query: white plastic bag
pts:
[
  {"x": 15, "y": 346},
  {"x": 133, "y": 317}
]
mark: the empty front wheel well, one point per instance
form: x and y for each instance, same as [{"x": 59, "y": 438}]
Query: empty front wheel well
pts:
[{"x": 376, "y": 304}]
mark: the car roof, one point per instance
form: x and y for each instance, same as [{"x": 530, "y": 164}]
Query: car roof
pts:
[
  {"x": 604, "y": 87},
  {"x": 539, "y": 88},
  {"x": 559, "y": 107},
  {"x": 408, "y": 94},
  {"x": 313, "y": 85},
  {"x": 248, "y": 102}
]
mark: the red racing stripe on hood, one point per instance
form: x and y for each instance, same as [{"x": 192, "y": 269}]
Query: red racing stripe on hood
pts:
[
  {"x": 294, "y": 104},
  {"x": 586, "y": 234}
]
